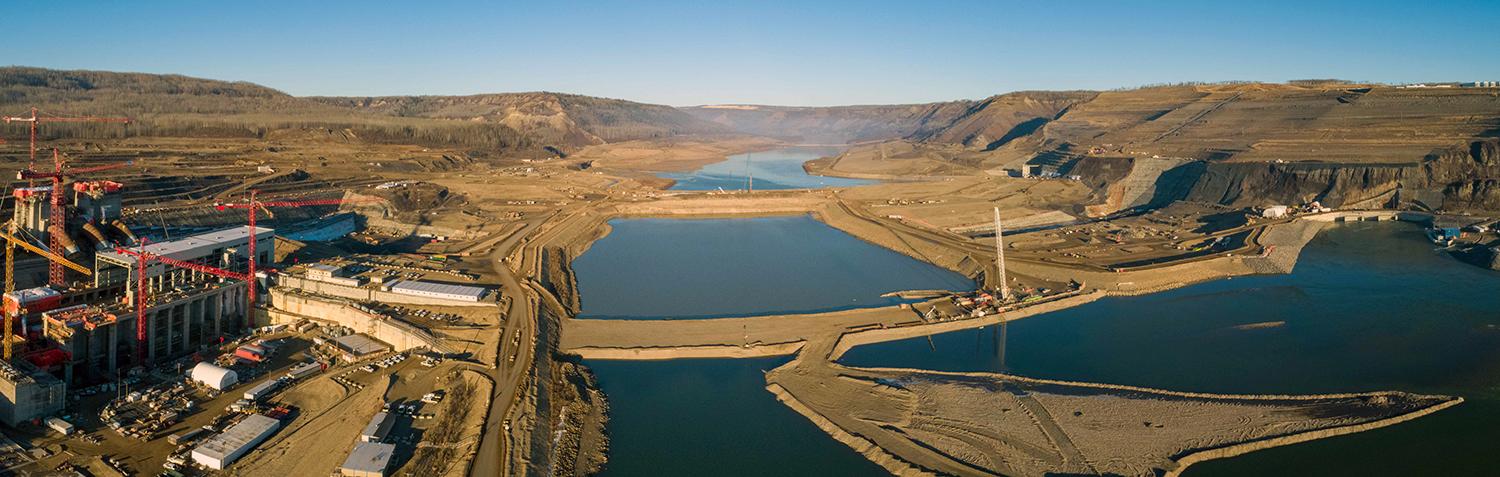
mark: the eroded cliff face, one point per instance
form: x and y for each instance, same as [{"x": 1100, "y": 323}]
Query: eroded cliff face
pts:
[
  {"x": 1254, "y": 184},
  {"x": 1460, "y": 178}
]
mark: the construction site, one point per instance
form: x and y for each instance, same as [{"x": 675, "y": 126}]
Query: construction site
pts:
[{"x": 316, "y": 297}]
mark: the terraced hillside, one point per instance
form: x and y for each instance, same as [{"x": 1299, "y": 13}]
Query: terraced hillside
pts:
[{"x": 1240, "y": 145}]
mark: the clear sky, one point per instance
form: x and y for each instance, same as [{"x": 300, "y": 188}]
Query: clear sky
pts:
[{"x": 766, "y": 52}]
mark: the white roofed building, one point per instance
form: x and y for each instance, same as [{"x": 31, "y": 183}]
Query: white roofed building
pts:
[
  {"x": 220, "y": 451},
  {"x": 445, "y": 291},
  {"x": 215, "y": 377}
]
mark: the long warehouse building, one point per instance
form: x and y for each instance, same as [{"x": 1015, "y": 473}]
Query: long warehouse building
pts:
[
  {"x": 446, "y": 291},
  {"x": 220, "y": 451}
]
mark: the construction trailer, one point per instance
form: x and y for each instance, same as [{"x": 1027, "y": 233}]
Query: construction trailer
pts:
[
  {"x": 379, "y": 427},
  {"x": 262, "y": 390},
  {"x": 62, "y": 427}
]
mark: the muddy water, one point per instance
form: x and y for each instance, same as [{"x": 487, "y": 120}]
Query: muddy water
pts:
[
  {"x": 774, "y": 169},
  {"x": 1369, "y": 307},
  {"x": 683, "y": 268}
]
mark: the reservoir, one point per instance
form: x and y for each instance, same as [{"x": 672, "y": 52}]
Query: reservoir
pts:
[
  {"x": 697, "y": 268},
  {"x": 771, "y": 170},
  {"x": 714, "y": 416},
  {"x": 1369, "y": 307}
]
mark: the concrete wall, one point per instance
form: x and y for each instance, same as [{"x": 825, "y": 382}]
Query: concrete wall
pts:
[
  {"x": 27, "y": 394},
  {"x": 291, "y": 306},
  {"x": 369, "y": 294}
]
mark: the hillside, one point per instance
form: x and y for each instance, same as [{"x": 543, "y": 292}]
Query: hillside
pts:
[
  {"x": 832, "y": 125},
  {"x": 553, "y": 117},
  {"x": 180, "y": 106},
  {"x": 1233, "y": 144}
]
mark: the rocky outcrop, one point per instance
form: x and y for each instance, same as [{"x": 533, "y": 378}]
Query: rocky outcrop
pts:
[
  {"x": 1466, "y": 177},
  {"x": 1253, "y": 184}
]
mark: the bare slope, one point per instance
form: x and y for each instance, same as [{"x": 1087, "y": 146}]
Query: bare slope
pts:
[
  {"x": 559, "y": 118},
  {"x": 832, "y": 125},
  {"x": 180, "y": 106}
]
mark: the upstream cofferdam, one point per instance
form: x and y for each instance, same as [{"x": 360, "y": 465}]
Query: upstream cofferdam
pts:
[{"x": 920, "y": 422}]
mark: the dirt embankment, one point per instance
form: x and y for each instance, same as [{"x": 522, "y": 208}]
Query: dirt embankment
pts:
[{"x": 569, "y": 411}]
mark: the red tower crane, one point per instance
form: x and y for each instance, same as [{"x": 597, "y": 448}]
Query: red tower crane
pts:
[
  {"x": 55, "y": 218},
  {"x": 38, "y": 117},
  {"x": 254, "y": 204},
  {"x": 141, "y": 259}
]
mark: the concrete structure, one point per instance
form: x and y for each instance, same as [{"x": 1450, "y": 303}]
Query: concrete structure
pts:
[
  {"x": 1274, "y": 212},
  {"x": 226, "y": 249},
  {"x": 180, "y": 320},
  {"x": 379, "y": 428},
  {"x": 332, "y": 274},
  {"x": 291, "y": 306},
  {"x": 97, "y": 201},
  {"x": 31, "y": 211},
  {"x": 368, "y": 459},
  {"x": 27, "y": 393},
  {"x": 214, "y": 376},
  {"x": 369, "y": 293},
  {"x": 441, "y": 291},
  {"x": 322, "y": 272},
  {"x": 220, "y": 451}
]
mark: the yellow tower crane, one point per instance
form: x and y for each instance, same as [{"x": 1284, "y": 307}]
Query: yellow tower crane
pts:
[{"x": 11, "y": 242}]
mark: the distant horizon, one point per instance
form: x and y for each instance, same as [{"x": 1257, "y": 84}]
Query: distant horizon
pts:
[
  {"x": 727, "y": 105},
  {"x": 776, "y": 52}
]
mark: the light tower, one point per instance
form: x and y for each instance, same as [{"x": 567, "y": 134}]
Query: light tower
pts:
[{"x": 1004, "y": 287}]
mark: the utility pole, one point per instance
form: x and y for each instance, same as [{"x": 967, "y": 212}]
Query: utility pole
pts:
[
  {"x": 1004, "y": 287},
  {"x": 749, "y": 173}
]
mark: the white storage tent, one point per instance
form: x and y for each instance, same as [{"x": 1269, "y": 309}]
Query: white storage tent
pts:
[{"x": 214, "y": 376}]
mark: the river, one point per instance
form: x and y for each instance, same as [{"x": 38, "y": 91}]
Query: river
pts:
[
  {"x": 1369, "y": 307},
  {"x": 771, "y": 170}
]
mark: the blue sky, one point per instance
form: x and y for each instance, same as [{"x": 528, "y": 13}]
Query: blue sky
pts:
[{"x": 765, "y": 52}]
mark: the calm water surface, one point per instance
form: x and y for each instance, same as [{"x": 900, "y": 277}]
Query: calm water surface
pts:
[
  {"x": 714, "y": 416},
  {"x": 703, "y": 417},
  {"x": 1369, "y": 307},
  {"x": 774, "y": 169},
  {"x": 681, "y": 268}
]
